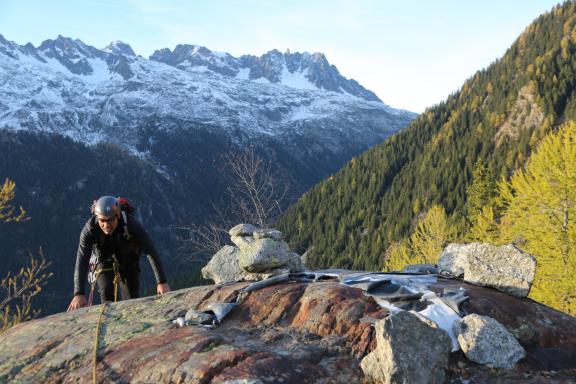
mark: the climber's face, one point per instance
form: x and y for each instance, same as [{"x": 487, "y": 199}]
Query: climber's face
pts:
[{"x": 108, "y": 224}]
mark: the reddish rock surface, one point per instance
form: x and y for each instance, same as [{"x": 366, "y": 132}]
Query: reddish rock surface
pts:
[{"x": 285, "y": 333}]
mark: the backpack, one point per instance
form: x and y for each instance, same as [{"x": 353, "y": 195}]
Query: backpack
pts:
[
  {"x": 126, "y": 205},
  {"x": 126, "y": 209}
]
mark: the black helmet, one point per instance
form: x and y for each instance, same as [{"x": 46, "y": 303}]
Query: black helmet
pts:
[{"x": 106, "y": 206}]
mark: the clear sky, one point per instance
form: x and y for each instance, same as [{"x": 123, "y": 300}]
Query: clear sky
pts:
[{"x": 412, "y": 54}]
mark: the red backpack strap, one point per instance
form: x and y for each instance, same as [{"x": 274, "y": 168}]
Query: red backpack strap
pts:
[{"x": 126, "y": 205}]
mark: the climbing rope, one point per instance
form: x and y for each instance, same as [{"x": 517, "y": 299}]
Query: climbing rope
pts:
[
  {"x": 116, "y": 282},
  {"x": 96, "y": 342}
]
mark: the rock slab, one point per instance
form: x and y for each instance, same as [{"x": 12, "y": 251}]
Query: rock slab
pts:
[{"x": 314, "y": 333}]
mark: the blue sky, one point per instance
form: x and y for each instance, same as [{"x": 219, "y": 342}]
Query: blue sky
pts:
[{"x": 413, "y": 54}]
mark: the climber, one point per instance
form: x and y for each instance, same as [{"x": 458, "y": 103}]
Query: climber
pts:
[{"x": 111, "y": 242}]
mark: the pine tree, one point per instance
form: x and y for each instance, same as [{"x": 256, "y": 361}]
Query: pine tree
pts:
[{"x": 540, "y": 217}]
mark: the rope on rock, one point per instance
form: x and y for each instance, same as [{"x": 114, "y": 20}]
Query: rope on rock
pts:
[
  {"x": 117, "y": 280},
  {"x": 96, "y": 342}
]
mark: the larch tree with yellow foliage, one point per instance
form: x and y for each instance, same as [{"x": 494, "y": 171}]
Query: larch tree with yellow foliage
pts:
[
  {"x": 541, "y": 217},
  {"x": 7, "y": 211},
  {"x": 17, "y": 290},
  {"x": 432, "y": 233}
]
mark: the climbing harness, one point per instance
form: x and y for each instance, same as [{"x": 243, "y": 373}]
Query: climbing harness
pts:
[{"x": 95, "y": 272}]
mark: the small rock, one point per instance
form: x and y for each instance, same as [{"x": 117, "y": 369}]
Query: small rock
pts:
[
  {"x": 242, "y": 241},
  {"x": 410, "y": 349},
  {"x": 263, "y": 255},
  {"x": 242, "y": 230},
  {"x": 198, "y": 317},
  {"x": 179, "y": 321},
  {"x": 223, "y": 266},
  {"x": 248, "y": 276},
  {"x": 453, "y": 260},
  {"x": 505, "y": 268},
  {"x": 295, "y": 263},
  {"x": 485, "y": 341},
  {"x": 268, "y": 233}
]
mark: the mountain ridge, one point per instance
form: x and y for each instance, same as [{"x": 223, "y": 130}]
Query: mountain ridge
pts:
[{"x": 102, "y": 89}]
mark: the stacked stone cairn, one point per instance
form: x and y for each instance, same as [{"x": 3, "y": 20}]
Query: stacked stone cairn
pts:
[{"x": 257, "y": 254}]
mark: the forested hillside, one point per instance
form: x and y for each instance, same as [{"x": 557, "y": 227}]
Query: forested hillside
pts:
[{"x": 377, "y": 209}]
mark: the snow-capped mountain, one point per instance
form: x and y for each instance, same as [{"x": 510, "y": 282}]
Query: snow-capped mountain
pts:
[
  {"x": 91, "y": 95},
  {"x": 295, "y": 70}
]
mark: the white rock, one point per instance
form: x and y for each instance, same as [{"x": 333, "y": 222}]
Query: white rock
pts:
[
  {"x": 242, "y": 241},
  {"x": 263, "y": 255},
  {"x": 268, "y": 233},
  {"x": 485, "y": 341},
  {"x": 409, "y": 349},
  {"x": 242, "y": 230},
  {"x": 505, "y": 268}
]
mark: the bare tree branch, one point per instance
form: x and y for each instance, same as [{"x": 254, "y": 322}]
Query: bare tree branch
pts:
[
  {"x": 255, "y": 191},
  {"x": 16, "y": 292},
  {"x": 255, "y": 194}
]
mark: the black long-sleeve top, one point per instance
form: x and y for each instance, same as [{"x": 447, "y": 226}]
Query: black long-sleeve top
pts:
[{"x": 127, "y": 249}]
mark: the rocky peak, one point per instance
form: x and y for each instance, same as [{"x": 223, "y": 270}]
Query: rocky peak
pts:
[
  {"x": 295, "y": 70},
  {"x": 8, "y": 48},
  {"x": 14, "y": 50},
  {"x": 119, "y": 48},
  {"x": 318, "y": 57},
  {"x": 65, "y": 47},
  {"x": 194, "y": 57},
  {"x": 163, "y": 55},
  {"x": 274, "y": 53},
  {"x": 182, "y": 51},
  {"x": 73, "y": 54}
]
